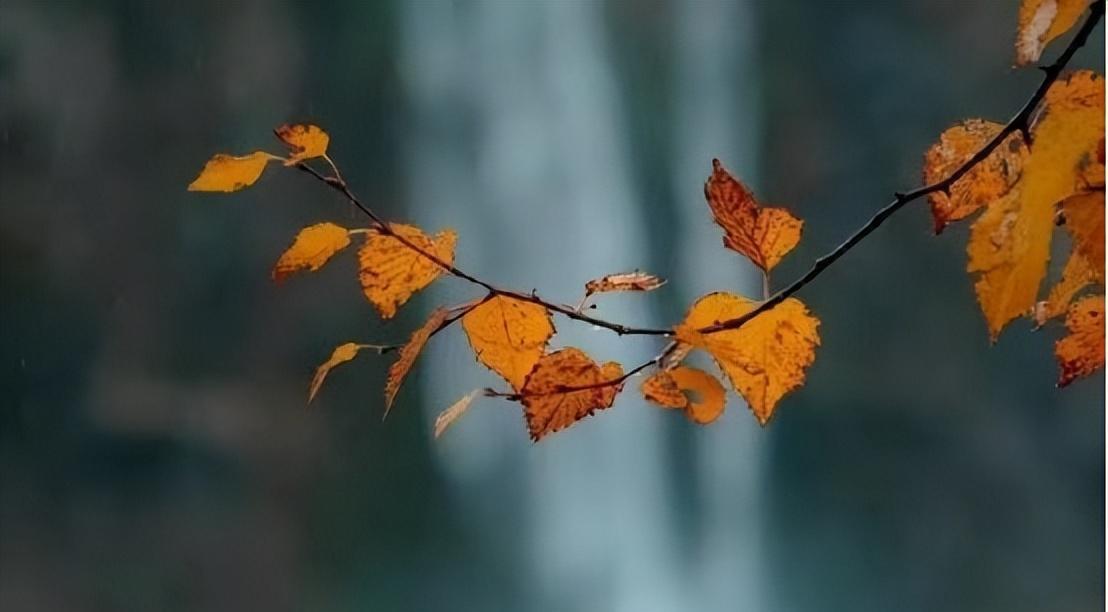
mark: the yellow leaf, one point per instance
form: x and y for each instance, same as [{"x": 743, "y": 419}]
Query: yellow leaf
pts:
[
  {"x": 408, "y": 354},
  {"x": 765, "y": 235},
  {"x": 983, "y": 184},
  {"x": 1084, "y": 215},
  {"x": 304, "y": 142},
  {"x": 1076, "y": 276},
  {"x": 551, "y": 404},
  {"x": 1041, "y": 21},
  {"x": 447, "y": 417},
  {"x": 508, "y": 336},
  {"x": 313, "y": 246},
  {"x": 765, "y": 358},
  {"x": 1082, "y": 352},
  {"x": 390, "y": 271},
  {"x": 696, "y": 391},
  {"x": 228, "y": 173},
  {"x": 627, "y": 281},
  {"x": 1010, "y": 243},
  {"x": 341, "y": 354}
]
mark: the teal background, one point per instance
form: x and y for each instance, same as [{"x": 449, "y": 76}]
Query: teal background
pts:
[{"x": 155, "y": 449}]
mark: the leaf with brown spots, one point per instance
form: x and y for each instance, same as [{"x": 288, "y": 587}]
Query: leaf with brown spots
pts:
[
  {"x": 313, "y": 246},
  {"x": 1082, "y": 352},
  {"x": 764, "y": 235},
  {"x": 391, "y": 271},
  {"x": 304, "y": 142},
  {"x": 696, "y": 391},
  {"x": 341, "y": 354},
  {"x": 408, "y": 354},
  {"x": 765, "y": 358},
  {"x": 565, "y": 387},
  {"x": 984, "y": 183},
  {"x": 229, "y": 173},
  {"x": 508, "y": 336}
]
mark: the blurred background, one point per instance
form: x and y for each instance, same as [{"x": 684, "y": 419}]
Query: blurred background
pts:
[{"x": 155, "y": 448}]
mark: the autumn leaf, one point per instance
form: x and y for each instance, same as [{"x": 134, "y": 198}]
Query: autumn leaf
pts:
[
  {"x": 1010, "y": 243},
  {"x": 447, "y": 417},
  {"x": 341, "y": 354},
  {"x": 390, "y": 271},
  {"x": 508, "y": 336},
  {"x": 696, "y": 391},
  {"x": 1041, "y": 21},
  {"x": 764, "y": 235},
  {"x": 1077, "y": 275},
  {"x": 1084, "y": 218},
  {"x": 229, "y": 173},
  {"x": 408, "y": 354},
  {"x": 984, "y": 183},
  {"x": 765, "y": 358},
  {"x": 549, "y": 402},
  {"x": 313, "y": 246},
  {"x": 1082, "y": 352},
  {"x": 627, "y": 281},
  {"x": 304, "y": 142}
]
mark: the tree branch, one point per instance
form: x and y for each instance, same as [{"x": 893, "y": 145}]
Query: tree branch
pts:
[{"x": 1021, "y": 122}]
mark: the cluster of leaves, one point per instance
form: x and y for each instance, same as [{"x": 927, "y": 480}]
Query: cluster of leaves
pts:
[{"x": 1027, "y": 176}]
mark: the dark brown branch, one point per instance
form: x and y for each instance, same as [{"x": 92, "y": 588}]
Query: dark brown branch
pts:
[
  {"x": 1020, "y": 123},
  {"x": 380, "y": 225}
]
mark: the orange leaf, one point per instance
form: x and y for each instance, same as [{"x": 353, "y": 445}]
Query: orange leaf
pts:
[
  {"x": 447, "y": 417},
  {"x": 1076, "y": 276},
  {"x": 673, "y": 389},
  {"x": 984, "y": 183},
  {"x": 551, "y": 404},
  {"x": 1041, "y": 21},
  {"x": 408, "y": 354},
  {"x": 341, "y": 354},
  {"x": 764, "y": 235},
  {"x": 765, "y": 358},
  {"x": 228, "y": 173},
  {"x": 304, "y": 142},
  {"x": 508, "y": 336},
  {"x": 1082, "y": 352},
  {"x": 627, "y": 281},
  {"x": 1010, "y": 243},
  {"x": 1084, "y": 215},
  {"x": 313, "y": 246},
  {"x": 390, "y": 271}
]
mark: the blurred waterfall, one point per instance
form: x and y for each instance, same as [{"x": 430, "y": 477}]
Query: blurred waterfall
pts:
[{"x": 517, "y": 132}]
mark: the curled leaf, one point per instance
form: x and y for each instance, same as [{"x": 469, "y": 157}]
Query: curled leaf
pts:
[
  {"x": 984, "y": 183},
  {"x": 765, "y": 358},
  {"x": 390, "y": 271},
  {"x": 696, "y": 391},
  {"x": 447, "y": 417},
  {"x": 1082, "y": 352},
  {"x": 229, "y": 173},
  {"x": 553, "y": 397},
  {"x": 1041, "y": 21},
  {"x": 408, "y": 354},
  {"x": 1084, "y": 215},
  {"x": 627, "y": 281},
  {"x": 341, "y": 354},
  {"x": 764, "y": 235},
  {"x": 304, "y": 142},
  {"x": 313, "y": 246},
  {"x": 508, "y": 336}
]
